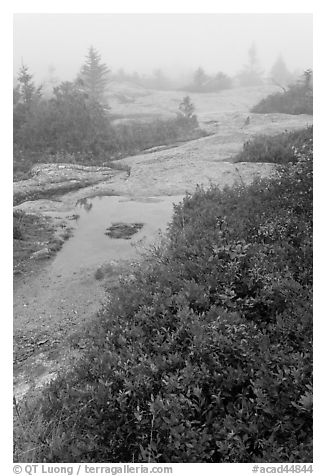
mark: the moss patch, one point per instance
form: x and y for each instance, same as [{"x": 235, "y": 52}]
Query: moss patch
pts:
[
  {"x": 123, "y": 230},
  {"x": 35, "y": 236}
]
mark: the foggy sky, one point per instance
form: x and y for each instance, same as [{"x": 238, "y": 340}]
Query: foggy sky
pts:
[{"x": 175, "y": 43}]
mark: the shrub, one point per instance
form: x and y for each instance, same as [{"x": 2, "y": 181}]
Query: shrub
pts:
[
  {"x": 18, "y": 231},
  {"x": 297, "y": 99},
  {"x": 280, "y": 149},
  {"x": 203, "y": 354},
  {"x": 73, "y": 125},
  {"x": 122, "y": 140}
]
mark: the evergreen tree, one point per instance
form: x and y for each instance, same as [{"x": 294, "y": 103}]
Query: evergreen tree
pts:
[
  {"x": 308, "y": 79},
  {"x": 186, "y": 114},
  {"x": 200, "y": 78},
  {"x": 221, "y": 81},
  {"x": 253, "y": 59},
  {"x": 279, "y": 72},
  {"x": 26, "y": 97},
  {"x": 16, "y": 95},
  {"x": 251, "y": 75},
  {"x": 26, "y": 88},
  {"x": 94, "y": 77},
  {"x": 69, "y": 122},
  {"x": 186, "y": 107}
]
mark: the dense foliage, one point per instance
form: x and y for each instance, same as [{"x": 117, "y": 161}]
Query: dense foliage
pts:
[
  {"x": 204, "y": 353},
  {"x": 296, "y": 99},
  {"x": 74, "y": 125},
  {"x": 33, "y": 233},
  {"x": 18, "y": 232},
  {"x": 280, "y": 149}
]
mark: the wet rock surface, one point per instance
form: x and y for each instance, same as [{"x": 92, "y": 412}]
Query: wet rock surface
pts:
[{"x": 53, "y": 179}]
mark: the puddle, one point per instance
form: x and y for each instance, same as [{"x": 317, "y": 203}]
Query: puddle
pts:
[{"x": 89, "y": 247}]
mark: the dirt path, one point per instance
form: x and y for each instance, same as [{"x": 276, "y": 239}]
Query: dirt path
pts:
[{"x": 49, "y": 307}]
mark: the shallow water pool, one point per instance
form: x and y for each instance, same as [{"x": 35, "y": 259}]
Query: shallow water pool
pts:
[{"x": 89, "y": 247}]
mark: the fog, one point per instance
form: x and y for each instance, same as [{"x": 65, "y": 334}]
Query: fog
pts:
[{"x": 176, "y": 43}]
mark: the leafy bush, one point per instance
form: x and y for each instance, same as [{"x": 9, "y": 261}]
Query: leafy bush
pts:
[
  {"x": 204, "y": 352},
  {"x": 297, "y": 99},
  {"x": 280, "y": 149},
  {"x": 134, "y": 137},
  {"x": 72, "y": 124},
  {"x": 121, "y": 140},
  {"x": 18, "y": 225}
]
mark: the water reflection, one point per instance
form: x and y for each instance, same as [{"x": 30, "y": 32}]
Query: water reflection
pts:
[
  {"x": 89, "y": 246},
  {"x": 85, "y": 203}
]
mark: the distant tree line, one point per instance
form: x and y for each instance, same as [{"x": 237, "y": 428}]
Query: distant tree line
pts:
[
  {"x": 156, "y": 80},
  {"x": 203, "y": 83},
  {"x": 250, "y": 75}
]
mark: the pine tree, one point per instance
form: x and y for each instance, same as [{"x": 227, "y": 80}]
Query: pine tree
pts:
[
  {"x": 186, "y": 113},
  {"x": 251, "y": 75},
  {"x": 200, "y": 78},
  {"x": 26, "y": 88},
  {"x": 26, "y": 98},
  {"x": 253, "y": 59},
  {"x": 279, "y": 73},
  {"x": 94, "y": 77},
  {"x": 186, "y": 108}
]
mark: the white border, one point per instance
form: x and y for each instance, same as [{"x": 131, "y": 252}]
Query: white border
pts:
[{"x": 169, "y": 6}]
